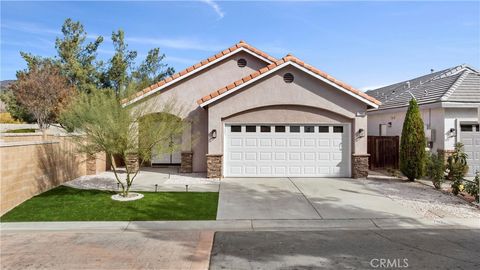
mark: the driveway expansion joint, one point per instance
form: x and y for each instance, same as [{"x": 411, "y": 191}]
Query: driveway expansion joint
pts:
[{"x": 303, "y": 194}]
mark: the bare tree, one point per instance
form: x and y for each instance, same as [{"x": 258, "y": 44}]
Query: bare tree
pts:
[
  {"x": 102, "y": 124},
  {"x": 43, "y": 91}
]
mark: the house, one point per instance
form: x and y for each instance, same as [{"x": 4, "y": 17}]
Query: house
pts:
[
  {"x": 449, "y": 102},
  {"x": 252, "y": 115}
]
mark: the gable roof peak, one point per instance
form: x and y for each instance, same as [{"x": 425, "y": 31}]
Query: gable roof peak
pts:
[{"x": 242, "y": 45}]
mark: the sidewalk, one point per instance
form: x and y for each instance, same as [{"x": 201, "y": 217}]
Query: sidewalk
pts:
[{"x": 248, "y": 225}]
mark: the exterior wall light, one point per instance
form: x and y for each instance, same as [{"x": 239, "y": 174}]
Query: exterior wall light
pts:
[
  {"x": 389, "y": 124},
  {"x": 213, "y": 134},
  {"x": 361, "y": 133}
]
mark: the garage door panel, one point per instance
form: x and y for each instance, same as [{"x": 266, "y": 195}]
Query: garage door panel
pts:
[
  {"x": 265, "y": 142},
  {"x": 280, "y": 142},
  {"x": 250, "y": 156},
  {"x": 471, "y": 142},
  {"x": 250, "y": 142},
  {"x": 279, "y": 154}
]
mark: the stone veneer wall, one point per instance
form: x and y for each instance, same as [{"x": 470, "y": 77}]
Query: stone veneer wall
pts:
[
  {"x": 445, "y": 154},
  {"x": 31, "y": 167},
  {"x": 186, "y": 165},
  {"x": 360, "y": 165},
  {"x": 214, "y": 166}
]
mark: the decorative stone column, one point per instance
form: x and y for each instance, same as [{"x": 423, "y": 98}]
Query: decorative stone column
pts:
[
  {"x": 131, "y": 162},
  {"x": 186, "y": 162},
  {"x": 214, "y": 166},
  {"x": 360, "y": 165}
]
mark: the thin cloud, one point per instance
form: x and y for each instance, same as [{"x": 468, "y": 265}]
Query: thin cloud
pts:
[
  {"x": 30, "y": 28},
  {"x": 184, "y": 44},
  {"x": 215, "y": 7}
]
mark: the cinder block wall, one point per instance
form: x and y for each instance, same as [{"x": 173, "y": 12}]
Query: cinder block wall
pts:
[{"x": 29, "y": 167}]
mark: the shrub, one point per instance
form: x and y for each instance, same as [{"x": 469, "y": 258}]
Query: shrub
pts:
[
  {"x": 6, "y": 118},
  {"x": 472, "y": 187},
  {"x": 457, "y": 167},
  {"x": 436, "y": 170},
  {"x": 413, "y": 143}
]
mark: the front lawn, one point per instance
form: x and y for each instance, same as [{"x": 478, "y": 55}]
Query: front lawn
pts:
[{"x": 70, "y": 204}]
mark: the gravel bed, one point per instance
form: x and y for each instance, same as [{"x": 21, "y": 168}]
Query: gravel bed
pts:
[{"x": 425, "y": 200}]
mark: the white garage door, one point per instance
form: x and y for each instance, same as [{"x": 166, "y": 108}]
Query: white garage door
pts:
[
  {"x": 470, "y": 137},
  {"x": 287, "y": 150}
]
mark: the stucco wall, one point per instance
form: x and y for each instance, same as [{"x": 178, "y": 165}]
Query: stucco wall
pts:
[
  {"x": 305, "y": 91},
  {"x": 437, "y": 118},
  {"x": 432, "y": 117},
  {"x": 188, "y": 91}
]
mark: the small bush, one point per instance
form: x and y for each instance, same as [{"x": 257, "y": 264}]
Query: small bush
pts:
[
  {"x": 436, "y": 170},
  {"x": 472, "y": 187},
  {"x": 457, "y": 168}
]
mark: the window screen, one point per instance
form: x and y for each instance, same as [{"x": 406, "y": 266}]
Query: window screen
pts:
[
  {"x": 295, "y": 129},
  {"x": 308, "y": 129},
  {"x": 338, "y": 129},
  {"x": 466, "y": 128},
  {"x": 251, "y": 128},
  {"x": 323, "y": 129},
  {"x": 279, "y": 128},
  {"x": 265, "y": 129},
  {"x": 236, "y": 128}
]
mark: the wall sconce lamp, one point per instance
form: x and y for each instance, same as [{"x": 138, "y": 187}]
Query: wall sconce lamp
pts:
[
  {"x": 452, "y": 130},
  {"x": 213, "y": 134},
  {"x": 361, "y": 133},
  {"x": 389, "y": 124}
]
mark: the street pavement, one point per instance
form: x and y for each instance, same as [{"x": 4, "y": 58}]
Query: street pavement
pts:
[{"x": 353, "y": 249}]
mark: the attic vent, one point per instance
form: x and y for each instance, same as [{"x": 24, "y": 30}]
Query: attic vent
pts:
[
  {"x": 288, "y": 77},
  {"x": 241, "y": 62}
]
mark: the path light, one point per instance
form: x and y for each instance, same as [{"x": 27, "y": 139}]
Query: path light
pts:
[
  {"x": 156, "y": 187},
  {"x": 118, "y": 186},
  {"x": 186, "y": 188}
]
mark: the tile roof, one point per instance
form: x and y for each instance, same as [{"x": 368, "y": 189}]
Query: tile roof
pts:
[
  {"x": 459, "y": 84},
  {"x": 288, "y": 58},
  {"x": 181, "y": 74}
]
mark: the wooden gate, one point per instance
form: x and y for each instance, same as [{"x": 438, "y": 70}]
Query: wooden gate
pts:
[{"x": 384, "y": 152}]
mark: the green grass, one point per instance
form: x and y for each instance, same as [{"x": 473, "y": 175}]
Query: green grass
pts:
[
  {"x": 21, "y": 130},
  {"x": 70, "y": 204}
]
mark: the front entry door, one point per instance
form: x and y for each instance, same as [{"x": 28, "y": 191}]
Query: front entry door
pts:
[{"x": 171, "y": 157}]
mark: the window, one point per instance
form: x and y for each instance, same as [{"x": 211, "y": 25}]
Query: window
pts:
[
  {"x": 476, "y": 127},
  {"x": 279, "y": 128},
  {"x": 251, "y": 128},
  {"x": 265, "y": 128},
  {"x": 338, "y": 129},
  {"x": 467, "y": 128},
  {"x": 323, "y": 129},
  {"x": 309, "y": 129},
  {"x": 236, "y": 128},
  {"x": 294, "y": 129},
  {"x": 242, "y": 62},
  {"x": 288, "y": 77}
]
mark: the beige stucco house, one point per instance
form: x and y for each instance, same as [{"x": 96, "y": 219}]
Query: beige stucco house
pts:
[{"x": 251, "y": 115}]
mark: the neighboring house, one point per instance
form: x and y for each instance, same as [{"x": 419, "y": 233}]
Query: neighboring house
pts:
[
  {"x": 251, "y": 115},
  {"x": 449, "y": 101}
]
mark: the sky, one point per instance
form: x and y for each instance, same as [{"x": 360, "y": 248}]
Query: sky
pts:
[{"x": 365, "y": 44}]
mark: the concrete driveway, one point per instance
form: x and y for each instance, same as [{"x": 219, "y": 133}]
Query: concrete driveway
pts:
[{"x": 306, "y": 198}]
